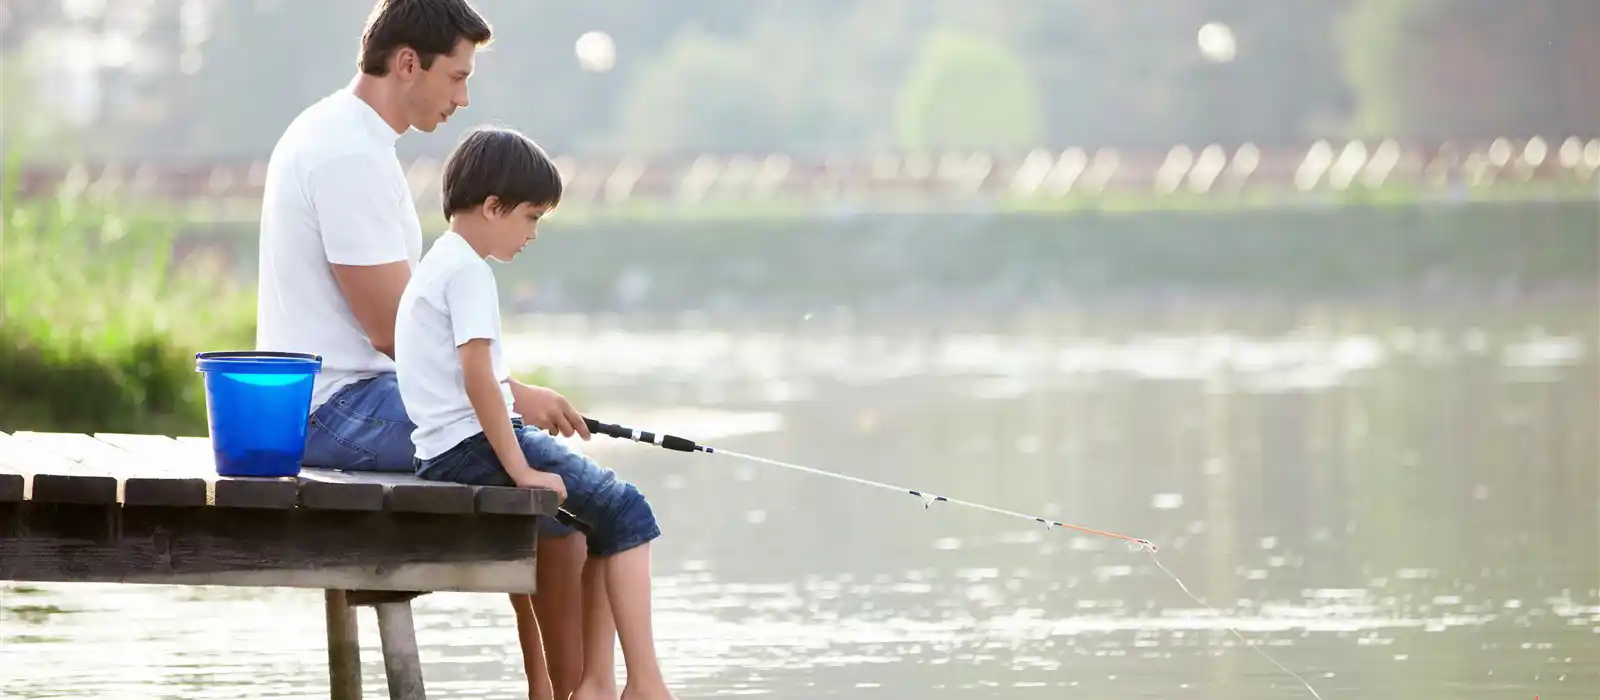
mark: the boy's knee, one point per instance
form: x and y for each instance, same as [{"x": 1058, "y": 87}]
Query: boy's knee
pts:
[
  {"x": 635, "y": 507},
  {"x": 633, "y": 522}
]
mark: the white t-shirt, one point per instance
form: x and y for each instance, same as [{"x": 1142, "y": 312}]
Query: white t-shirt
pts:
[
  {"x": 335, "y": 193},
  {"x": 450, "y": 300}
]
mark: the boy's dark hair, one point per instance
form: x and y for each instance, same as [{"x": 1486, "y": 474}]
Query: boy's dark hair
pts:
[
  {"x": 502, "y": 163},
  {"x": 430, "y": 27}
]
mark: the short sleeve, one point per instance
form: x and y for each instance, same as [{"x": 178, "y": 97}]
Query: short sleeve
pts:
[
  {"x": 474, "y": 304},
  {"x": 361, "y": 220}
]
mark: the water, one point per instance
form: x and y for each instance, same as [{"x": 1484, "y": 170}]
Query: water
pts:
[{"x": 1394, "y": 504}]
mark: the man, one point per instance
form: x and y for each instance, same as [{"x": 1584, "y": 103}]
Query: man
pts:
[{"x": 339, "y": 236}]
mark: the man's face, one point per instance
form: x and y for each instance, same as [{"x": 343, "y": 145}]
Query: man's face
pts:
[{"x": 436, "y": 93}]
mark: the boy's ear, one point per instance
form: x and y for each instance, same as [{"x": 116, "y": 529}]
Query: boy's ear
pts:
[{"x": 491, "y": 207}]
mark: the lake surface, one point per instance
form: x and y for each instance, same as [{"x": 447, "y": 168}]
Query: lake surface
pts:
[{"x": 1393, "y": 504}]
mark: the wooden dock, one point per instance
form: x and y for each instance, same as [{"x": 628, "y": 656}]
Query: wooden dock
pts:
[{"x": 151, "y": 509}]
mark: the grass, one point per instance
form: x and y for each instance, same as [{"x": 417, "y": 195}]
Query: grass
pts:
[
  {"x": 99, "y": 324},
  {"x": 98, "y": 328}
]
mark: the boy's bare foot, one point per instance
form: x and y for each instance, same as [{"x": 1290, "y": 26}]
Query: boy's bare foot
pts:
[
  {"x": 655, "y": 691},
  {"x": 595, "y": 691}
]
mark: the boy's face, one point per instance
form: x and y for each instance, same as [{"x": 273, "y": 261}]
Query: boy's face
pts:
[{"x": 513, "y": 229}]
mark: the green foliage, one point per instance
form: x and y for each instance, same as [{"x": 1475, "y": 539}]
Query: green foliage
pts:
[
  {"x": 1470, "y": 68},
  {"x": 1378, "y": 51},
  {"x": 969, "y": 91},
  {"x": 703, "y": 92},
  {"x": 97, "y": 330}
]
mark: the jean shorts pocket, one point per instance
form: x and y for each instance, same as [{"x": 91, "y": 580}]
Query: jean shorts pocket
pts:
[{"x": 326, "y": 448}]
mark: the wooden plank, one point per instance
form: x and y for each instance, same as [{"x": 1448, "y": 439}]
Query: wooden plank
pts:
[
  {"x": 329, "y": 489},
  {"x": 403, "y": 493},
  {"x": 155, "y": 480},
  {"x": 144, "y": 479},
  {"x": 13, "y": 482},
  {"x": 297, "y": 547},
  {"x": 158, "y": 457},
  {"x": 500, "y": 500},
  {"x": 432, "y": 497},
  {"x": 57, "y": 479},
  {"x": 408, "y": 493},
  {"x": 196, "y": 453}
]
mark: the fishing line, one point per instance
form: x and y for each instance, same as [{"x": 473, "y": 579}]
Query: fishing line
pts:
[{"x": 679, "y": 444}]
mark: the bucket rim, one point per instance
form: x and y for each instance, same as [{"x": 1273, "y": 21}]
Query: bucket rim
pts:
[
  {"x": 258, "y": 362},
  {"x": 256, "y": 355}
]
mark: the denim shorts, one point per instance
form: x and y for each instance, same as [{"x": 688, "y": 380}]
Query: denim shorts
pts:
[
  {"x": 364, "y": 427},
  {"x": 612, "y": 513}
]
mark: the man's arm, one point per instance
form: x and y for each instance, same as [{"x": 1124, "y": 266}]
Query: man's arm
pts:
[
  {"x": 363, "y": 224},
  {"x": 373, "y": 293}
]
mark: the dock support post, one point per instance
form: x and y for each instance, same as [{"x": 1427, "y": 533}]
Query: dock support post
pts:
[
  {"x": 344, "y": 648},
  {"x": 400, "y": 660}
]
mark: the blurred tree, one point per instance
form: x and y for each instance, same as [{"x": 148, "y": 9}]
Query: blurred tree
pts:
[
  {"x": 703, "y": 93},
  {"x": 968, "y": 91},
  {"x": 1473, "y": 68}
]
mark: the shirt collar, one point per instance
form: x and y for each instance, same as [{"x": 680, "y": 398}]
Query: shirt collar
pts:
[{"x": 374, "y": 123}]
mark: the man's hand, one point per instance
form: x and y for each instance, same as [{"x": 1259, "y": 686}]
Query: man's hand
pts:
[
  {"x": 547, "y": 410},
  {"x": 530, "y": 479}
]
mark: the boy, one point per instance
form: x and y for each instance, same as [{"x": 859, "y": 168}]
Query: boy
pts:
[{"x": 454, "y": 384}]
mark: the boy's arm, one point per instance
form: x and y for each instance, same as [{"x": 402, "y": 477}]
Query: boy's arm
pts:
[
  {"x": 483, "y": 390},
  {"x": 363, "y": 238},
  {"x": 471, "y": 297}
]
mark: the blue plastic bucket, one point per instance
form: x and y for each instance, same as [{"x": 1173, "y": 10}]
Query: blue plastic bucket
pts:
[{"x": 258, "y": 404}]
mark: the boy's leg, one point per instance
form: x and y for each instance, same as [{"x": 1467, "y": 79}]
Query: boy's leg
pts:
[
  {"x": 560, "y": 578},
  {"x": 627, "y": 577},
  {"x": 620, "y": 525},
  {"x": 473, "y": 462},
  {"x": 599, "y": 636}
]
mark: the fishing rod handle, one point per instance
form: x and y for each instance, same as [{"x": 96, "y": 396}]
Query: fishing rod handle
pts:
[{"x": 671, "y": 442}]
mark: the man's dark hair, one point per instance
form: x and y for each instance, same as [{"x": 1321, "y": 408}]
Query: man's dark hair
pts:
[
  {"x": 502, "y": 163},
  {"x": 430, "y": 27}
]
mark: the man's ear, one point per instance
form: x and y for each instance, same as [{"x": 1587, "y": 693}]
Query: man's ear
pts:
[{"x": 405, "y": 62}]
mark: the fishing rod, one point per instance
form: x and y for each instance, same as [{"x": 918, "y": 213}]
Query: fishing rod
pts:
[{"x": 680, "y": 444}]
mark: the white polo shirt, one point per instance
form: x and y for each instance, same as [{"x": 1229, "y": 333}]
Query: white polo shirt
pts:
[
  {"x": 451, "y": 299},
  {"x": 335, "y": 193}
]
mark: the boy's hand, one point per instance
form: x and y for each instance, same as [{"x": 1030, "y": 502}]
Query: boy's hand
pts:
[
  {"x": 547, "y": 410},
  {"x": 531, "y": 479}
]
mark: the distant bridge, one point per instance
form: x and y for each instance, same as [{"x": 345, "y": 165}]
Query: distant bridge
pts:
[{"x": 1040, "y": 173}]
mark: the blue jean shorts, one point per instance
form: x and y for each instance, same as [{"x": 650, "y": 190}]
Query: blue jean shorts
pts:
[
  {"x": 364, "y": 427},
  {"x": 612, "y": 513}
]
